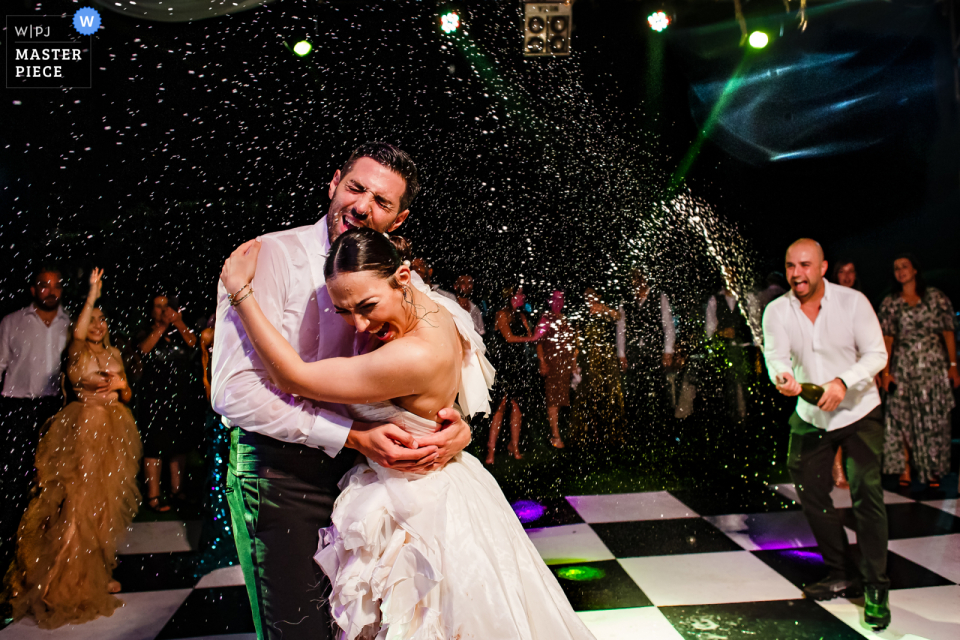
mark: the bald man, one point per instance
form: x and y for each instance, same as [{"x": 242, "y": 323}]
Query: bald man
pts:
[{"x": 829, "y": 335}]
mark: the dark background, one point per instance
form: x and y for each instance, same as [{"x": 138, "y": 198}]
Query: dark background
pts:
[{"x": 199, "y": 136}]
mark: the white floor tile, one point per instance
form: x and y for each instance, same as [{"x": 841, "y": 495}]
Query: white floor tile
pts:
[
  {"x": 629, "y": 624},
  {"x": 757, "y": 531},
  {"x": 226, "y": 577},
  {"x": 142, "y": 617},
  {"x": 708, "y": 578},
  {"x": 629, "y": 507},
  {"x": 161, "y": 537},
  {"x": 950, "y": 506},
  {"x": 568, "y": 544},
  {"x": 940, "y": 554},
  {"x": 841, "y": 497},
  {"x": 928, "y": 613}
]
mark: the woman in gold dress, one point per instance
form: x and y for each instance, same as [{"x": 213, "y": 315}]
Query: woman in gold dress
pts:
[
  {"x": 596, "y": 419},
  {"x": 86, "y": 492}
]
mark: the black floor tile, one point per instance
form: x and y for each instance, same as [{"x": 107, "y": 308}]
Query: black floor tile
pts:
[
  {"x": 211, "y": 612},
  {"x": 594, "y": 586},
  {"x": 804, "y": 566},
  {"x": 911, "y": 520},
  {"x": 748, "y": 498},
  {"x": 663, "y": 537},
  {"x": 773, "y": 620},
  {"x": 155, "y": 571},
  {"x": 535, "y": 514},
  {"x": 799, "y": 566}
]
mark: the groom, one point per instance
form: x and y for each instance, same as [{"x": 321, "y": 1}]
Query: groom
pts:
[{"x": 287, "y": 453}]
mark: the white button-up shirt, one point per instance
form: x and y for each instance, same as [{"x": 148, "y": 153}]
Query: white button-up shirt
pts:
[
  {"x": 30, "y": 353},
  {"x": 291, "y": 290},
  {"x": 845, "y": 342}
]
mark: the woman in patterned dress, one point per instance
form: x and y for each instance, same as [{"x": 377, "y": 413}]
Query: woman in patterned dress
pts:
[{"x": 917, "y": 323}]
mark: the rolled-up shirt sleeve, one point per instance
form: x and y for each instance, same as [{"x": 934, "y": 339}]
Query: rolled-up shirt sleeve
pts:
[
  {"x": 776, "y": 343},
  {"x": 242, "y": 390},
  {"x": 669, "y": 330},
  {"x": 621, "y": 333},
  {"x": 868, "y": 338}
]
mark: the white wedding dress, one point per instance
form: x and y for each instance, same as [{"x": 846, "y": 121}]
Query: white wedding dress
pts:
[{"x": 439, "y": 556}]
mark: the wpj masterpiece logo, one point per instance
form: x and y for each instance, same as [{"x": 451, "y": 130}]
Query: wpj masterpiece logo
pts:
[{"x": 51, "y": 52}]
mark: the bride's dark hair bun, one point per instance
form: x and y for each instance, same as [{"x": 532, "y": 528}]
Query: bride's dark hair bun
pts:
[
  {"x": 363, "y": 249},
  {"x": 402, "y": 246}
]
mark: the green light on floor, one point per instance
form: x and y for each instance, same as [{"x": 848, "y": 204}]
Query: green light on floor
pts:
[
  {"x": 302, "y": 48},
  {"x": 758, "y": 39},
  {"x": 449, "y": 22},
  {"x": 581, "y": 574}
]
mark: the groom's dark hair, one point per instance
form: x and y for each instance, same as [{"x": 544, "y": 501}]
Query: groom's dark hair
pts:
[
  {"x": 364, "y": 249},
  {"x": 392, "y": 158}
]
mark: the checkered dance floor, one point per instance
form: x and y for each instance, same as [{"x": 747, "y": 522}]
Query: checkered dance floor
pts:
[{"x": 711, "y": 564}]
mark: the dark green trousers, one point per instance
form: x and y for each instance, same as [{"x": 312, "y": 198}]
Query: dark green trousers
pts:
[
  {"x": 280, "y": 495},
  {"x": 810, "y": 461}
]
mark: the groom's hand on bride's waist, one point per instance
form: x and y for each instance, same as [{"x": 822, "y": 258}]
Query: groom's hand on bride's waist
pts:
[
  {"x": 390, "y": 446},
  {"x": 451, "y": 438}
]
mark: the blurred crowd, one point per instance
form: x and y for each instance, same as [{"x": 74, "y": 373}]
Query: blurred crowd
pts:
[{"x": 608, "y": 368}]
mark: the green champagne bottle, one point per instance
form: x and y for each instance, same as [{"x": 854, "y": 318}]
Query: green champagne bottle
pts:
[{"x": 811, "y": 392}]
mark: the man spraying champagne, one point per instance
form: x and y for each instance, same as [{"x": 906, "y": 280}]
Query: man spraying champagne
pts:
[{"x": 829, "y": 335}]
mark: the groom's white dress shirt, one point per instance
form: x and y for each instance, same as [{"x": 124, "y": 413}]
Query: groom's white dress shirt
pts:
[
  {"x": 291, "y": 290},
  {"x": 845, "y": 342}
]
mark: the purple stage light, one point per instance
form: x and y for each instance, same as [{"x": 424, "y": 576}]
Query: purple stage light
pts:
[
  {"x": 811, "y": 557},
  {"x": 528, "y": 510}
]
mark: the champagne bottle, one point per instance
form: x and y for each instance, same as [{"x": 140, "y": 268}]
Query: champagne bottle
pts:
[{"x": 811, "y": 392}]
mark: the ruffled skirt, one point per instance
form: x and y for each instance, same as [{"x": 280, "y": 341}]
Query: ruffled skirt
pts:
[
  {"x": 86, "y": 496},
  {"x": 437, "y": 557}
]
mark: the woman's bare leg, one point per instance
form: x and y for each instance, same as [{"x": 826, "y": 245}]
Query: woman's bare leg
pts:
[
  {"x": 177, "y": 463},
  {"x": 516, "y": 419},
  {"x": 553, "y": 415},
  {"x": 495, "y": 423}
]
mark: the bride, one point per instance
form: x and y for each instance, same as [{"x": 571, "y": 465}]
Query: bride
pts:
[{"x": 420, "y": 557}]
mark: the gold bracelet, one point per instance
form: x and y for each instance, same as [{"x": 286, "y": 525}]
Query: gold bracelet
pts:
[
  {"x": 233, "y": 296},
  {"x": 234, "y": 303}
]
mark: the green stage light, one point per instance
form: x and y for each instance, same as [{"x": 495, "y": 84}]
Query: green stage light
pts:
[
  {"x": 302, "y": 48},
  {"x": 582, "y": 573},
  {"x": 758, "y": 39},
  {"x": 658, "y": 21},
  {"x": 449, "y": 22}
]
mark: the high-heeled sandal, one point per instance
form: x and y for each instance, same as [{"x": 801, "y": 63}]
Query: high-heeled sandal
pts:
[
  {"x": 557, "y": 443},
  {"x": 515, "y": 453},
  {"x": 154, "y": 505}
]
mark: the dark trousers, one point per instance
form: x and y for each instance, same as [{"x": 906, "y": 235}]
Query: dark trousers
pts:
[
  {"x": 810, "y": 460},
  {"x": 280, "y": 496},
  {"x": 20, "y": 422}
]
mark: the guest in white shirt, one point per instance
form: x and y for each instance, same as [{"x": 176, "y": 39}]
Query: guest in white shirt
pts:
[
  {"x": 287, "y": 453},
  {"x": 464, "y": 287},
  {"x": 829, "y": 335},
  {"x": 32, "y": 341}
]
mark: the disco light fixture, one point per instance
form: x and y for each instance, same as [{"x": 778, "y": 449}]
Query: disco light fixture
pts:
[
  {"x": 449, "y": 22},
  {"x": 658, "y": 21},
  {"x": 546, "y": 29},
  {"x": 302, "y": 48}
]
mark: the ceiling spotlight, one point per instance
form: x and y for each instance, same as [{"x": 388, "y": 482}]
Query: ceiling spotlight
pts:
[
  {"x": 449, "y": 22},
  {"x": 758, "y": 40},
  {"x": 658, "y": 21},
  {"x": 302, "y": 48}
]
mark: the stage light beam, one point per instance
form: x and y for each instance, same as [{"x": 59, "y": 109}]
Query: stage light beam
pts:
[
  {"x": 302, "y": 48},
  {"x": 658, "y": 21},
  {"x": 758, "y": 39}
]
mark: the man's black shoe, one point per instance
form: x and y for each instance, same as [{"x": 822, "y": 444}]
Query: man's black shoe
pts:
[
  {"x": 876, "y": 607},
  {"x": 833, "y": 587}
]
